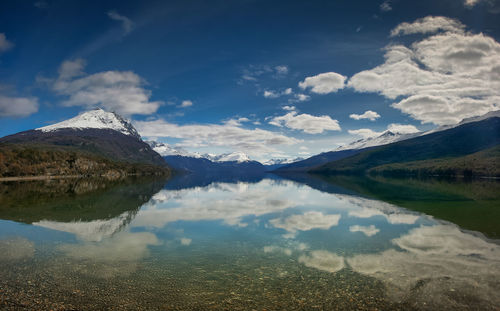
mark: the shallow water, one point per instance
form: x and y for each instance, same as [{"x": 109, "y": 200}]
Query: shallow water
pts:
[{"x": 273, "y": 243}]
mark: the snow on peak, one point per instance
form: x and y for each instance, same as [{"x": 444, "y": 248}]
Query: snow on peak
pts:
[
  {"x": 231, "y": 157},
  {"x": 281, "y": 161},
  {"x": 167, "y": 150},
  {"x": 96, "y": 119},
  {"x": 387, "y": 137}
]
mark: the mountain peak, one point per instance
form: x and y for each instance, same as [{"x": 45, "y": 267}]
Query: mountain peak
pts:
[
  {"x": 385, "y": 138},
  {"x": 237, "y": 156},
  {"x": 96, "y": 119}
]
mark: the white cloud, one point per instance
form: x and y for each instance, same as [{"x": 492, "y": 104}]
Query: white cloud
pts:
[
  {"x": 186, "y": 103},
  {"x": 365, "y": 133},
  {"x": 439, "y": 260},
  {"x": 307, "y": 221},
  {"x": 393, "y": 127},
  {"x": 252, "y": 142},
  {"x": 270, "y": 94},
  {"x": 324, "y": 83},
  {"x": 306, "y": 122},
  {"x": 402, "y": 128},
  {"x": 429, "y": 24},
  {"x": 288, "y": 108},
  {"x": 120, "y": 91},
  {"x": 386, "y": 6},
  {"x": 124, "y": 246},
  {"x": 17, "y": 106},
  {"x": 186, "y": 241},
  {"x": 370, "y": 230},
  {"x": 236, "y": 122},
  {"x": 442, "y": 78},
  {"x": 127, "y": 24},
  {"x": 276, "y": 94},
  {"x": 471, "y": 3},
  {"x": 5, "y": 44},
  {"x": 283, "y": 70},
  {"x": 323, "y": 260},
  {"x": 371, "y": 115},
  {"x": 301, "y": 97}
]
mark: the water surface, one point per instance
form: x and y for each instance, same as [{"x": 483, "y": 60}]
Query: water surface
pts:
[{"x": 291, "y": 243}]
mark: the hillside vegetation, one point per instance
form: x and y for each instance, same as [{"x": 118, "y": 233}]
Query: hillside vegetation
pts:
[
  {"x": 437, "y": 153},
  {"x": 40, "y": 160}
]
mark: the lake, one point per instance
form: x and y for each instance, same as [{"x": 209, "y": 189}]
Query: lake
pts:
[{"x": 294, "y": 242}]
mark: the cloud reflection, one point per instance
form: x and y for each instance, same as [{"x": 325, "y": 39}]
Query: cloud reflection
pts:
[
  {"x": 323, "y": 260},
  {"x": 439, "y": 260}
]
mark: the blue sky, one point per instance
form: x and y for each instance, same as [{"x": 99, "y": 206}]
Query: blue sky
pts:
[{"x": 269, "y": 78}]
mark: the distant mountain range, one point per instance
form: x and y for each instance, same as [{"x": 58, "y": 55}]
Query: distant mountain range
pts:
[
  {"x": 470, "y": 148},
  {"x": 446, "y": 159},
  {"x": 236, "y": 163},
  {"x": 95, "y": 142},
  {"x": 103, "y": 143}
]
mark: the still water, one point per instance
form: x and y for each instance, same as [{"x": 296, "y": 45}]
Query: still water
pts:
[{"x": 287, "y": 243}]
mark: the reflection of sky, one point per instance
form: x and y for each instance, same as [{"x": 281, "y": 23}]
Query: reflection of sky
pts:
[{"x": 322, "y": 231}]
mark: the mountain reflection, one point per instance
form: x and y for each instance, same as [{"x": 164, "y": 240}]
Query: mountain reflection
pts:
[
  {"x": 121, "y": 228},
  {"x": 90, "y": 208}
]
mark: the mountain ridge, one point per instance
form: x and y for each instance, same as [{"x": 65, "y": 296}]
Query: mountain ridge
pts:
[{"x": 453, "y": 143}]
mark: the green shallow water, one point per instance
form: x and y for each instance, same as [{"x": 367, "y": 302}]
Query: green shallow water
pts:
[{"x": 295, "y": 243}]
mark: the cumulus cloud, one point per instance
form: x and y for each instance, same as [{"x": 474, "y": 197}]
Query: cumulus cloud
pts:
[
  {"x": 434, "y": 260},
  {"x": 300, "y": 98},
  {"x": 17, "y": 107},
  {"x": 429, "y": 24},
  {"x": 236, "y": 122},
  {"x": 370, "y": 230},
  {"x": 306, "y": 122},
  {"x": 127, "y": 24},
  {"x": 307, "y": 221},
  {"x": 230, "y": 135},
  {"x": 365, "y": 133},
  {"x": 120, "y": 91},
  {"x": 276, "y": 94},
  {"x": 5, "y": 44},
  {"x": 370, "y": 115},
  {"x": 227, "y": 202},
  {"x": 186, "y": 103},
  {"x": 385, "y": 6},
  {"x": 324, "y": 83},
  {"x": 443, "y": 78}
]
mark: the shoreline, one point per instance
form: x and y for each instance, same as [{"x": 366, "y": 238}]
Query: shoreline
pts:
[{"x": 43, "y": 177}]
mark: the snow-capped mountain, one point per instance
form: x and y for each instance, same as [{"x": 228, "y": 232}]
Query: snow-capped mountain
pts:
[
  {"x": 281, "y": 161},
  {"x": 488, "y": 115},
  {"x": 167, "y": 150},
  {"x": 95, "y": 119},
  {"x": 385, "y": 138},
  {"x": 98, "y": 132},
  {"x": 229, "y": 157}
]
